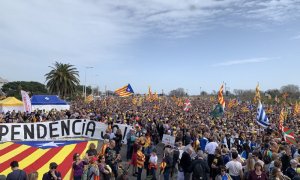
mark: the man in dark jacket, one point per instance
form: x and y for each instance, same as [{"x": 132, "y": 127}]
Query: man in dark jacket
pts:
[
  {"x": 16, "y": 172},
  {"x": 52, "y": 173},
  {"x": 185, "y": 163},
  {"x": 291, "y": 171},
  {"x": 199, "y": 168}
]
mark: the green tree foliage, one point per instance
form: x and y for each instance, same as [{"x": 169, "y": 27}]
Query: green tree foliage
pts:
[
  {"x": 179, "y": 92},
  {"x": 79, "y": 90},
  {"x": 62, "y": 79},
  {"x": 14, "y": 88}
]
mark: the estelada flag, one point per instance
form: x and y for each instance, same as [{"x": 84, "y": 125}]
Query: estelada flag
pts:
[{"x": 37, "y": 155}]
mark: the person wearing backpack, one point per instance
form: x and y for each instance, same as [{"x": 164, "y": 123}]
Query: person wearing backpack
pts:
[{"x": 199, "y": 168}]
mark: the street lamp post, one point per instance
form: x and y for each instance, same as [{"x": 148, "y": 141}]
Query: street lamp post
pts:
[
  {"x": 200, "y": 91},
  {"x": 87, "y": 67}
]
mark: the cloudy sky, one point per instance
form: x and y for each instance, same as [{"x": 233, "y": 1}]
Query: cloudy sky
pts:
[{"x": 163, "y": 43}]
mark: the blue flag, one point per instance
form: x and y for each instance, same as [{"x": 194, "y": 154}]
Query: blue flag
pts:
[{"x": 262, "y": 118}]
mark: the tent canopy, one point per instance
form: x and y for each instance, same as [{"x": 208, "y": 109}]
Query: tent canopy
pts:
[
  {"x": 47, "y": 100},
  {"x": 11, "y": 101}
]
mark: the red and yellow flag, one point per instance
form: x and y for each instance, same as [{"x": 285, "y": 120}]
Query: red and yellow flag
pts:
[
  {"x": 38, "y": 157},
  {"x": 281, "y": 119},
  {"x": 257, "y": 94},
  {"x": 296, "y": 109},
  {"x": 221, "y": 98}
]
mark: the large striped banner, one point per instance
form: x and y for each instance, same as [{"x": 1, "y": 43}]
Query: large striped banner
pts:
[{"x": 37, "y": 155}]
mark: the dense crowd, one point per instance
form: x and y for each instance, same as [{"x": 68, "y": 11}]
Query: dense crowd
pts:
[{"x": 232, "y": 146}]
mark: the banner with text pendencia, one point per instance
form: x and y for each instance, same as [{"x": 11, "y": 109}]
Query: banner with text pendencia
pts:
[{"x": 53, "y": 130}]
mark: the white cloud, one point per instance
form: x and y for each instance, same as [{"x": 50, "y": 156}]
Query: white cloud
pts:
[
  {"x": 296, "y": 37},
  {"x": 243, "y": 61},
  {"x": 99, "y": 31}
]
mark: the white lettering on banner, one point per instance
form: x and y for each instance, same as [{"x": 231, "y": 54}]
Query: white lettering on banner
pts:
[
  {"x": 168, "y": 140},
  {"x": 68, "y": 128}
]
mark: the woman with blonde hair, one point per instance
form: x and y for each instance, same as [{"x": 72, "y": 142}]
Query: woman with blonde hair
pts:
[
  {"x": 33, "y": 176},
  {"x": 250, "y": 162}
]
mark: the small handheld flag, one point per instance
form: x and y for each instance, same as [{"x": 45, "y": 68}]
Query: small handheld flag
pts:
[
  {"x": 288, "y": 135},
  {"x": 187, "y": 105},
  {"x": 124, "y": 91}
]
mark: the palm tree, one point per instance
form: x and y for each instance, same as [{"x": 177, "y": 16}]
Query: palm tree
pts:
[{"x": 62, "y": 79}]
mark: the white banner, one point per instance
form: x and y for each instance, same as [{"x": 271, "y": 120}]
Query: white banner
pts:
[
  {"x": 168, "y": 140},
  {"x": 68, "y": 128},
  {"x": 26, "y": 101}
]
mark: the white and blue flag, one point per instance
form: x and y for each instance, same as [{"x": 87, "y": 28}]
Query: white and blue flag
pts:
[{"x": 262, "y": 118}]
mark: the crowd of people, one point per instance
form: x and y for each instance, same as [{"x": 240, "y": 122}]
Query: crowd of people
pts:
[{"x": 232, "y": 146}]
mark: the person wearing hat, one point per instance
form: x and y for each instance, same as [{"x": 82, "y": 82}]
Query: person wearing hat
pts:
[
  {"x": 52, "y": 174},
  {"x": 16, "y": 172}
]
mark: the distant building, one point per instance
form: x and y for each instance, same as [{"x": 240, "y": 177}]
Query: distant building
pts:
[{"x": 2, "y": 82}]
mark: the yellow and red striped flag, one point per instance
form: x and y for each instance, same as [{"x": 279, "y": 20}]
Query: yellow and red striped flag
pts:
[
  {"x": 245, "y": 109},
  {"x": 37, "y": 155},
  {"x": 150, "y": 95},
  {"x": 124, "y": 91},
  {"x": 296, "y": 109},
  {"x": 281, "y": 119},
  {"x": 257, "y": 94},
  {"x": 89, "y": 98},
  {"x": 221, "y": 98}
]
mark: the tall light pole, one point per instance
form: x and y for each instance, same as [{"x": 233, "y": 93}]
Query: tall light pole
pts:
[
  {"x": 200, "y": 91},
  {"x": 87, "y": 67}
]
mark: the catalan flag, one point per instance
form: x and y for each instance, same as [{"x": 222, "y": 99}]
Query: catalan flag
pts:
[
  {"x": 124, "y": 91},
  {"x": 150, "y": 95},
  {"x": 245, "y": 109},
  {"x": 212, "y": 98},
  {"x": 296, "y": 109},
  {"x": 37, "y": 155},
  {"x": 162, "y": 167},
  {"x": 232, "y": 103},
  {"x": 221, "y": 98},
  {"x": 155, "y": 97},
  {"x": 89, "y": 98},
  {"x": 281, "y": 119},
  {"x": 257, "y": 94}
]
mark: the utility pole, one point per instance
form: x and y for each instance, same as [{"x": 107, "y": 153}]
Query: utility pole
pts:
[
  {"x": 87, "y": 67},
  {"x": 200, "y": 91}
]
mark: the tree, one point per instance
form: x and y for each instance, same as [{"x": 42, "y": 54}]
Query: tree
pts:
[
  {"x": 62, "y": 79},
  {"x": 179, "y": 92},
  {"x": 79, "y": 90},
  {"x": 204, "y": 93},
  {"x": 273, "y": 92},
  {"x": 14, "y": 88},
  {"x": 244, "y": 95},
  {"x": 292, "y": 90}
]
